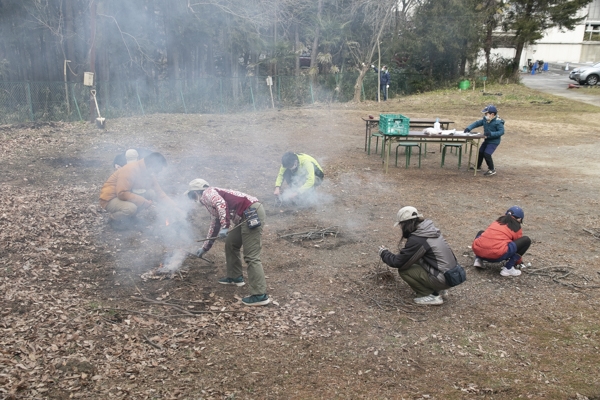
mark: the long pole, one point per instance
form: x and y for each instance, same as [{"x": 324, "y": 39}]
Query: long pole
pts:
[{"x": 67, "y": 88}]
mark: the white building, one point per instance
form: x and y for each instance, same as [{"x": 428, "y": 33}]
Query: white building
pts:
[{"x": 581, "y": 45}]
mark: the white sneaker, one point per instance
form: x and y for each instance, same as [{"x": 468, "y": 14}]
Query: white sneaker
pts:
[
  {"x": 478, "y": 262},
  {"x": 429, "y": 300},
  {"x": 510, "y": 272}
]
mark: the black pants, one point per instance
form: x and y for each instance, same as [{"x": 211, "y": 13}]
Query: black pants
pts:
[{"x": 485, "y": 152}]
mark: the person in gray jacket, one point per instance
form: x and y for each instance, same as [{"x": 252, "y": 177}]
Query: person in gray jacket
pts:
[{"x": 424, "y": 258}]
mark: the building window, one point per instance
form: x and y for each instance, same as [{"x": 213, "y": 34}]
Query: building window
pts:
[{"x": 592, "y": 31}]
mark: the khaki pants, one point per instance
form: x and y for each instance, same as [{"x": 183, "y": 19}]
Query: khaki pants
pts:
[
  {"x": 120, "y": 210},
  {"x": 418, "y": 279},
  {"x": 250, "y": 240}
]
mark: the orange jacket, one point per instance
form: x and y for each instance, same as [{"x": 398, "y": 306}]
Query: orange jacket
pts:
[
  {"x": 493, "y": 242},
  {"x": 125, "y": 179}
]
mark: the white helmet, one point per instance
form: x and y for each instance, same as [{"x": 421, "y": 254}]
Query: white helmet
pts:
[{"x": 197, "y": 184}]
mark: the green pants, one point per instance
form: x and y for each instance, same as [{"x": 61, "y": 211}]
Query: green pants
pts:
[
  {"x": 250, "y": 240},
  {"x": 418, "y": 279},
  {"x": 120, "y": 210}
]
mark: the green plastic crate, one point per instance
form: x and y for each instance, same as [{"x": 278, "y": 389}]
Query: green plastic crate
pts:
[{"x": 394, "y": 124}]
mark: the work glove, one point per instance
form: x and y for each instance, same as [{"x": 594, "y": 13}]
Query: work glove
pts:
[
  {"x": 382, "y": 249},
  {"x": 388, "y": 86},
  {"x": 466, "y": 130},
  {"x": 372, "y": 66},
  {"x": 200, "y": 252},
  {"x": 223, "y": 232}
]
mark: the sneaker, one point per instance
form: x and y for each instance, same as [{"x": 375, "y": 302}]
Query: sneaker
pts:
[
  {"x": 444, "y": 293},
  {"x": 478, "y": 263},
  {"x": 490, "y": 172},
  {"x": 510, "y": 272},
  {"x": 429, "y": 300},
  {"x": 239, "y": 281},
  {"x": 256, "y": 300}
]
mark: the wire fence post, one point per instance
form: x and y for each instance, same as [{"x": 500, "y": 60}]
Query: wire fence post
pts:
[
  {"x": 30, "y": 102},
  {"x": 76, "y": 105},
  {"x": 183, "y": 100},
  {"x": 139, "y": 100},
  {"x": 252, "y": 94},
  {"x": 311, "y": 92},
  {"x": 221, "y": 94},
  {"x": 363, "y": 90}
]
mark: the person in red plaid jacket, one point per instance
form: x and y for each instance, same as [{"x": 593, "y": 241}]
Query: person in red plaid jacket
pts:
[{"x": 239, "y": 218}]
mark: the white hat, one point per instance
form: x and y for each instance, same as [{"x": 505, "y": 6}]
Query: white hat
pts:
[
  {"x": 406, "y": 213},
  {"x": 197, "y": 184},
  {"x": 131, "y": 155}
]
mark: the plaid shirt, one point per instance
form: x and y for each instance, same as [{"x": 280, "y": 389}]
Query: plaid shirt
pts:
[{"x": 225, "y": 206}]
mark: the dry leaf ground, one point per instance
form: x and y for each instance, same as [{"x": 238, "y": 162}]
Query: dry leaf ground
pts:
[{"x": 78, "y": 321}]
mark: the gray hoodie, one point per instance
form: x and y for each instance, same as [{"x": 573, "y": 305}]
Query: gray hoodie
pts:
[{"x": 427, "y": 247}]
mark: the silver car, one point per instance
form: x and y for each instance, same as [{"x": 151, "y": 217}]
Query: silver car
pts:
[{"x": 583, "y": 75}]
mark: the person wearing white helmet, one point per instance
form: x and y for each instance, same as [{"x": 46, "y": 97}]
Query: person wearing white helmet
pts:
[
  {"x": 426, "y": 262},
  {"x": 239, "y": 218},
  {"x": 503, "y": 240}
]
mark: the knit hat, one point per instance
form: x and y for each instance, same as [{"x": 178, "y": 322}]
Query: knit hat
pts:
[
  {"x": 131, "y": 155},
  {"x": 406, "y": 213},
  {"x": 197, "y": 184}
]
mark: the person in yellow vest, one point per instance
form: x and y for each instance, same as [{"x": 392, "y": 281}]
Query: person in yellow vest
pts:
[{"x": 302, "y": 173}]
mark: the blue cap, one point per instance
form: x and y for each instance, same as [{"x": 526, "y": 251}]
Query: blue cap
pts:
[
  {"x": 516, "y": 212},
  {"x": 490, "y": 109}
]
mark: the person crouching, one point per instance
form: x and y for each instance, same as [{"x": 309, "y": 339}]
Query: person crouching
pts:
[
  {"x": 239, "y": 218},
  {"x": 426, "y": 262},
  {"x": 503, "y": 240}
]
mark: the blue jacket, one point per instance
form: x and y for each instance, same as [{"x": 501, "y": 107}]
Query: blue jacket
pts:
[
  {"x": 492, "y": 130},
  {"x": 384, "y": 77}
]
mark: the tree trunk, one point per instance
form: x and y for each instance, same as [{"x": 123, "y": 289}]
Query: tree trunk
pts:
[
  {"x": 488, "y": 48},
  {"x": 93, "y": 56},
  {"x": 517, "y": 58},
  {"x": 315, "y": 45},
  {"x": 296, "y": 47},
  {"x": 359, "y": 82}
]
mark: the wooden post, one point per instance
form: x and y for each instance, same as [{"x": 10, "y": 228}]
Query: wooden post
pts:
[{"x": 270, "y": 85}]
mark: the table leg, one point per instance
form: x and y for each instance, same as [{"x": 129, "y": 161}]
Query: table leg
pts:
[
  {"x": 366, "y": 134},
  {"x": 476, "y": 144}
]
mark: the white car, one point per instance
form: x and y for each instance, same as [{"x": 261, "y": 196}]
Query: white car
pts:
[{"x": 586, "y": 75}]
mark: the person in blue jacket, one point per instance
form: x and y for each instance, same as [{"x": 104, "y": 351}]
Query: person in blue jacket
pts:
[
  {"x": 493, "y": 129},
  {"x": 384, "y": 81}
]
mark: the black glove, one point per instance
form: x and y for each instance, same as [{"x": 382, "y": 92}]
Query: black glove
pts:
[{"x": 467, "y": 130}]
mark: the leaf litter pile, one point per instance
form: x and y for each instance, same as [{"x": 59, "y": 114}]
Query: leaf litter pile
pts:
[{"x": 57, "y": 343}]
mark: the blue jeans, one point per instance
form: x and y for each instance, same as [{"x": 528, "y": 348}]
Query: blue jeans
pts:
[{"x": 383, "y": 90}]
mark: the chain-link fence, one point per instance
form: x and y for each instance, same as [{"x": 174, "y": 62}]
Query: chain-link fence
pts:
[{"x": 59, "y": 101}]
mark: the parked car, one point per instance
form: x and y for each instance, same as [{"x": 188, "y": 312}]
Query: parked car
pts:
[{"x": 586, "y": 75}]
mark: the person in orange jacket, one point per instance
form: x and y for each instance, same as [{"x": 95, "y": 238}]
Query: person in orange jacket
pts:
[
  {"x": 503, "y": 240},
  {"x": 121, "y": 196}
]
